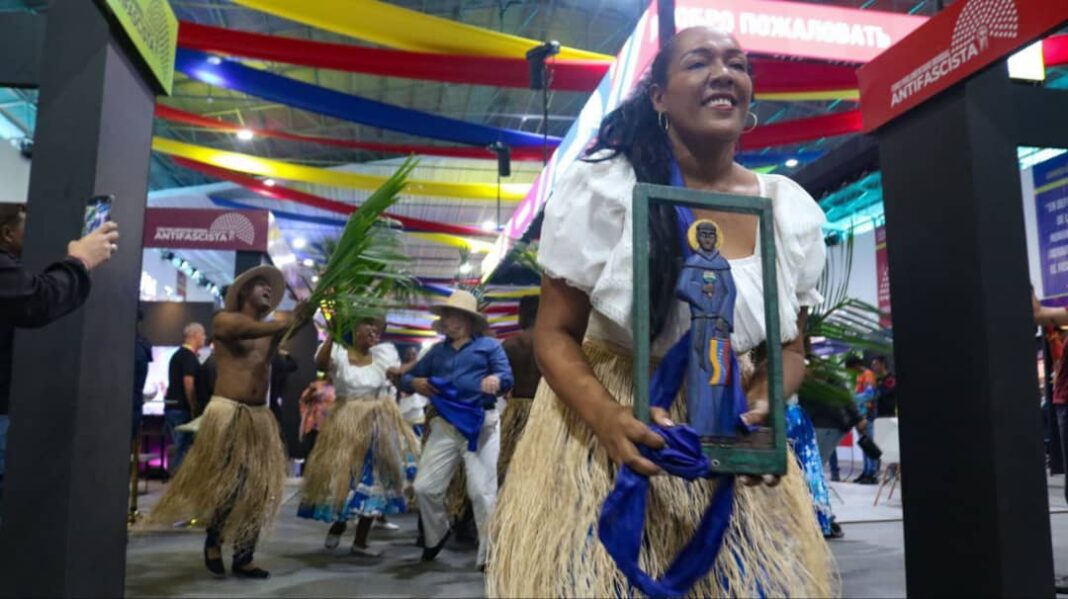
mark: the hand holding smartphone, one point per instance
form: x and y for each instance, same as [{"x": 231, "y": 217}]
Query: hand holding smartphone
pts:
[
  {"x": 99, "y": 233},
  {"x": 97, "y": 212}
]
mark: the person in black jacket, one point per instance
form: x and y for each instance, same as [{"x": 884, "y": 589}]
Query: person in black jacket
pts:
[
  {"x": 282, "y": 366},
  {"x": 32, "y": 300},
  {"x": 142, "y": 357},
  {"x": 205, "y": 378},
  {"x": 832, "y": 422}
]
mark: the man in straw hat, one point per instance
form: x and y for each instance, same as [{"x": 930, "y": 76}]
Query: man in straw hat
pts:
[
  {"x": 233, "y": 477},
  {"x": 463, "y": 376}
]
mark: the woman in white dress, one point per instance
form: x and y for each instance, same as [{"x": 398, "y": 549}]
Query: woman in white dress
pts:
[
  {"x": 357, "y": 468},
  {"x": 681, "y": 126}
]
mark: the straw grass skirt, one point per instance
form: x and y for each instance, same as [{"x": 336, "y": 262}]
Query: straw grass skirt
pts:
[
  {"x": 544, "y": 528},
  {"x": 355, "y": 427},
  {"x": 237, "y": 459},
  {"x": 513, "y": 421}
]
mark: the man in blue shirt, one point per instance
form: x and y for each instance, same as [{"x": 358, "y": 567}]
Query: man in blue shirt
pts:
[{"x": 463, "y": 376}]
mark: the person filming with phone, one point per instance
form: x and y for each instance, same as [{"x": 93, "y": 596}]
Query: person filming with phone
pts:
[{"x": 33, "y": 300}]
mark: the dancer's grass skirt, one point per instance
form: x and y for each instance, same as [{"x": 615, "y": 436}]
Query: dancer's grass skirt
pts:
[
  {"x": 237, "y": 458},
  {"x": 354, "y": 427},
  {"x": 513, "y": 421},
  {"x": 544, "y": 528}
]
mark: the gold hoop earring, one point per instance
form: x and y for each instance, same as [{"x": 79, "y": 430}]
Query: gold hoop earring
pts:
[
  {"x": 756, "y": 121},
  {"x": 661, "y": 119}
]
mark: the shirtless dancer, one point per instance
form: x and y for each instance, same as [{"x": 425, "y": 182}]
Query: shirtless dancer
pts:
[{"x": 233, "y": 477}]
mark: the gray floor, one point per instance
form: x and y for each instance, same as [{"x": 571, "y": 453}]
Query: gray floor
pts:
[{"x": 168, "y": 564}]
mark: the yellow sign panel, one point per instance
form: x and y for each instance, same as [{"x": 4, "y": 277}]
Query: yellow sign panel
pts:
[{"x": 153, "y": 29}]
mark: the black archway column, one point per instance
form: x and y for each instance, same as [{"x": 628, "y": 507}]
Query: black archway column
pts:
[
  {"x": 65, "y": 503},
  {"x": 974, "y": 487}
]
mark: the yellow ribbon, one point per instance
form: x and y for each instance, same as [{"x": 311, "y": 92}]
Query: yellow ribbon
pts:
[
  {"x": 514, "y": 294},
  {"x": 264, "y": 167},
  {"x": 830, "y": 94},
  {"x": 458, "y": 241},
  {"x": 412, "y": 332},
  {"x": 405, "y": 29}
]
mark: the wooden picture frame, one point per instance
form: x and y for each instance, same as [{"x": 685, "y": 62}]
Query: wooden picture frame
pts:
[{"x": 724, "y": 458}]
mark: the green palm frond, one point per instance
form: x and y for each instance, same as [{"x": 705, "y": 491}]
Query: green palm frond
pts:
[
  {"x": 365, "y": 272},
  {"x": 842, "y": 320},
  {"x": 526, "y": 255}
]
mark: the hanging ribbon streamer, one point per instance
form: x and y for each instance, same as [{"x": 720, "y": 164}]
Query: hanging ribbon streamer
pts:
[
  {"x": 397, "y": 27},
  {"x": 622, "y": 520},
  {"x": 313, "y": 98},
  {"x": 279, "y": 192},
  {"x": 773, "y": 79},
  {"x": 764, "y": 161},
  {"x": 507, "y": 295},
  {"x": 264, "y": 167},
  {"x": 180, "y": 116},
  {"x": 801, "y": 130},
  {"x": 568, "y": 75},
  {"x": 440, "y": 238},
  {"x": 1055, "y": 50}
]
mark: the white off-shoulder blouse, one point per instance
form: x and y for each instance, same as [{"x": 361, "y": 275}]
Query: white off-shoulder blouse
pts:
[{"x": 586, "y": 240}]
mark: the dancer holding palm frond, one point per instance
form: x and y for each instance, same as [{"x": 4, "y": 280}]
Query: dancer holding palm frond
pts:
[{"x": 356, "y": 469}]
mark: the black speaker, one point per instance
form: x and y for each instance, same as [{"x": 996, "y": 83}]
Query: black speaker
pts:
[
  {"x": 504, "y": 158},
  {"x": 536, "y": 61}
]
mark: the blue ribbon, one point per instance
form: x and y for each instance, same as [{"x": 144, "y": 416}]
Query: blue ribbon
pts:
[
  {"x": 465, "y": 416},
  {"x": 255, "y": 82},
  {"x": 623, "y": 515}
]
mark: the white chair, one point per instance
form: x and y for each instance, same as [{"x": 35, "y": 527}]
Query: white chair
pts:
[{"x": 886, "y": 437}]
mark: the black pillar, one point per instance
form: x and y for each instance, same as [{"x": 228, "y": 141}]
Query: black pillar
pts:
[
  {"x": 665, "y": 10},
  {"x": 248, "y": 260},
  {"x": 975, "y": 500},
  {"x": 21, "y": 44},
  {"x": 64, "y": 512}
]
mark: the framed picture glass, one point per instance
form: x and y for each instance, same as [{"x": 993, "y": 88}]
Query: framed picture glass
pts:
[{"x": 712, "y": 384}]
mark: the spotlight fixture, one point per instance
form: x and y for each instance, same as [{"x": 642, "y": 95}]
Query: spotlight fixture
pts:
[
  {"x": 300, "y": 243},
  {"x": 315, "y": 279},
  {"x": 792, "y": 162},
  {"x": 309, "y": 262},
  {"x": 245, "y": 135}
]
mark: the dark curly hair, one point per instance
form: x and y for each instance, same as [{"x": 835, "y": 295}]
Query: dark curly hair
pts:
[{"x": 633, "y": 131}]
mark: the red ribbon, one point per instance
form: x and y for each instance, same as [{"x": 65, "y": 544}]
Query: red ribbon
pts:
[
  {"x": 279, "y": 192},
  {"x": 572, "y": 75},
  {"x": 1055, "y": 50},
  {"x": 769, "y": 75},
  {"x": 180, "y": 116},
  {"x": 802, "y": 130}
]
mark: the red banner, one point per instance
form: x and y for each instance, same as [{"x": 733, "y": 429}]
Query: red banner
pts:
[
  {"x": 800, "y": 29},
  {"x": 961, "y": 40},
  {"x": 180, "y": 228},
  {"x": 882, "y": 277}
]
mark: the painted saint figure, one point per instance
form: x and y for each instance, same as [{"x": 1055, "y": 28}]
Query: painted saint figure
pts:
[{"x": 707, "y": 285}]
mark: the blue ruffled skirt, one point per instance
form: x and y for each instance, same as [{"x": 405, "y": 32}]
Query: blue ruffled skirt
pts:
[
  {"x": 802, "y": 437},
  {"x": 368, "y": 499}
]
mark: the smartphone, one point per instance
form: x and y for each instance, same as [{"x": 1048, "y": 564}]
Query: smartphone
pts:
[{"x": 97, "y": 212}]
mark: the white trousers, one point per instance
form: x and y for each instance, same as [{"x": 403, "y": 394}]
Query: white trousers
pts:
[{"x": 444, "y": 451}]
